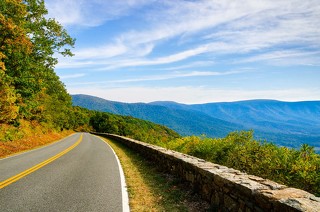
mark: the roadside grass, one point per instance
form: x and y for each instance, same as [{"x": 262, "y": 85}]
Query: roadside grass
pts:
[{"x": 151, "y": 189}]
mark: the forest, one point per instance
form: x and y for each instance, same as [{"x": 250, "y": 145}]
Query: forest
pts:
[{"x": 34, "y": 102}]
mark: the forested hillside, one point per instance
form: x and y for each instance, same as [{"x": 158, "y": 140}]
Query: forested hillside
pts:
[
  {"x": 285, "y": 123},
  {"x": 131, "y": 127},
  {"x": 183, "y": 121},
  {"x": 268, "y": 115}
]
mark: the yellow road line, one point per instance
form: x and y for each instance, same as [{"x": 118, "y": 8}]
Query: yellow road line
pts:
[{"x": 38, "y": 166}]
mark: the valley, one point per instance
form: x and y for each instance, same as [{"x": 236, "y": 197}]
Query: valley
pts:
[{"x": 284, "y": 123}]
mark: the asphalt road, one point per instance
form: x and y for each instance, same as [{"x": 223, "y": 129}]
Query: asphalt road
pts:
[{"x": 86, "y": 178}]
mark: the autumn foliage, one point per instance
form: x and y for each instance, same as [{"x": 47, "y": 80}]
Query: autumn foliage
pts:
[
  {"x": 34, "y": 104},
  {"x": 28, "y": 136},
  {"x": 28, "y": 84}
]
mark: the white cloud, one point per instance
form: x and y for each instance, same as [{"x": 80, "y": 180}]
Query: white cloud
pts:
[
  {"x": 177, "y": 35},
  {"x": 99, "y": 56},
  {"x": 163, "y": 60},
  {"x": 72, "y": 76},
  {"x": 215, "y": 27},
  {"x": 90, "y": 13},
  {"x": 107, "y": 51},
  {"x": 286, "y": 56},
  {"x": 245, "y": 23},
  {"x": 71, "y": 63},
  {"x": 178, "y": 75},
  {"x": 62, "y": 12},
  {"x": 174, "y": 75},
  {"x": 196, "y": 64},
  {"x": 194, "y": 95},
  {"x": 183, "y": 17}
]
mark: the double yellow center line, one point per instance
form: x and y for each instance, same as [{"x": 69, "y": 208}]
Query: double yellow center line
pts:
[{"x": 38, "y": 166}]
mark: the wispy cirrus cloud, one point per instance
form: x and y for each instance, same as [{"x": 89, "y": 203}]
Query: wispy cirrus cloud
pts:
[
  {"x": 72, "y": 76},
  {"x": 250, "y": 25},
  {"x": 174, "y": 75},
  {"x": 188, "y": 66},
  {"x": 298, "y": 57},
  {"x": 91, "y": 13},
  {"x": 144, "y": 41},
  {"x": 101, "y": 59},
  {"x": 106, "y": 51},
  {"x": 183, "y": 55},
  {"x": 179, "y": 75},
  {"x": 212, "y": 27}
]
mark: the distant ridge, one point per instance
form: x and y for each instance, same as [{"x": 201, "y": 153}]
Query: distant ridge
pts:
[
  {"x": 285, "y": 123},
  {"x": 183, "y": 121}
]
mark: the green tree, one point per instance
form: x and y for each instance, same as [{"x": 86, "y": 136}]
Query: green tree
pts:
[
  {"x": 14, "y": 45},
  {"x": 28, "y": 42},
  {"x": 8, "y": 108}
]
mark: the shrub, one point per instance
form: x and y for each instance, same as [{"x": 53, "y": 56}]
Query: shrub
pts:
[{"x": 239, "y": 150}]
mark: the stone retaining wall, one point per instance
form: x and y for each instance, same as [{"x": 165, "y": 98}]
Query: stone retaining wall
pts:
[{"x": 225, "y": 188}]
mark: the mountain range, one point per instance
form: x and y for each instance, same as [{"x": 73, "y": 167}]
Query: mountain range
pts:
[{"x": 284, "y": 123}]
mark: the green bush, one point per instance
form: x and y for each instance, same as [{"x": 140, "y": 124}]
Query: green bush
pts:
[{"x": 239, "y": 150}]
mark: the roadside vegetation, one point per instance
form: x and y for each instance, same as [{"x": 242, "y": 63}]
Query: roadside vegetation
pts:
[
  {"x": 150, "y": 189},
  {"x": 239, "y": 150},
  {"x": 28, "y": 136}
]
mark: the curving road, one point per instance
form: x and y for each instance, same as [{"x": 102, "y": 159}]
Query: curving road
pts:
[{"x": 78, "y": 173}]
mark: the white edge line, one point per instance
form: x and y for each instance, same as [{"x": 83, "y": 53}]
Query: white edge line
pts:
[
  {"x": 31, "y": 150},
  {"x": 124, "y": 191}
]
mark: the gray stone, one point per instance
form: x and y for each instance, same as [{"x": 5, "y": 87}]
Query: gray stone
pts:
[{"x": 230, "y": 203}]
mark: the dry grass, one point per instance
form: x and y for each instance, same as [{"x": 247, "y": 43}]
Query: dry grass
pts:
[
  {"x": 26, "y": 137},
  {"x": 151, "y": 189},
  {"x": 141, "y": 196}
]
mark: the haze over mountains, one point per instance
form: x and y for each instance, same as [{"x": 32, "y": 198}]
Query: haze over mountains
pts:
[{"x": 284, "y": 123}]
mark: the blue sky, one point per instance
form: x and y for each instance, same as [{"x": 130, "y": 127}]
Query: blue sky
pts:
[{"x": 191, "y": 51}]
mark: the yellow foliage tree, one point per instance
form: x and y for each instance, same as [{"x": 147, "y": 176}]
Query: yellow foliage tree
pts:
[
  {"x": 8, "y": 108},
  {"x": 28, "y": 42},
  {"x": 13, "y": 41}
]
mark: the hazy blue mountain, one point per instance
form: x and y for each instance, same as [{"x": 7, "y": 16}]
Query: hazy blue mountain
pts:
[
  {"x": 184, "y": 122},
  {"x": 285, "y": 123},
  {"x": 301, "y": 118}
]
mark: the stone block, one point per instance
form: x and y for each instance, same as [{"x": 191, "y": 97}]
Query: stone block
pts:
[{"x": 230, "y": 204}]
